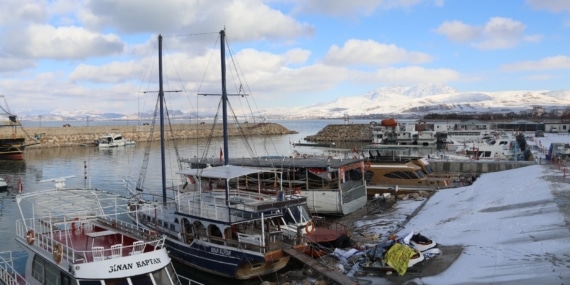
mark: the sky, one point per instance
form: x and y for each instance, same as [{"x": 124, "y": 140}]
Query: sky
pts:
[
  {"x": 512, "y": 225},
  {"x": 100, "y": 55}
]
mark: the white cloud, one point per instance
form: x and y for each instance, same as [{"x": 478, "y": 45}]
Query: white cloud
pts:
[
  {"x": 16, "y": 11},
  {"x": 550, "y": 5},
  {"x": 11, "y": 64},
  {"x": 501, "y": 33},
  {"x": 371, "y": 53},
  {"x": 114, "y": 72},
  {"x": 44, "y": 41},
  {"x": 363, "y": 7},
  {"x": 249, "y": 19},
  {"x": 457, "y": 31},
  {"x": 414, "y": 75},
  {"x": 497, "y": 33},
  {"x": 547, "y": 63}
]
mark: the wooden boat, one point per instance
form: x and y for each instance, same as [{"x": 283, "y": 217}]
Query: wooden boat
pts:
[
  {"x": 12, "y": 143},
  {"x": 212, "y": 224}
]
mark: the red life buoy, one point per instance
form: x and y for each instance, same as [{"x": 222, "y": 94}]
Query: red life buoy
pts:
[
  {"x": 367, "y": 165},
  {"x": 57, "y": 253},
  {"x": 297, "y": 191},
  {"x": 310, "y": 227},
  {"x": 30, "y": 237}
]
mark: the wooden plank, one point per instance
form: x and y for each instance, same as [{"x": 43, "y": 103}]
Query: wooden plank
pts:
[{"x": 319, "y": 267}]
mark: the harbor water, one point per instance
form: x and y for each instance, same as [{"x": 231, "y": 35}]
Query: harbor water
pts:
[{"x": 106, "y": 169}]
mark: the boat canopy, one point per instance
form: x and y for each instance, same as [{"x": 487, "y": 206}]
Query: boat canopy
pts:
[{"x": 221, "y": 172}]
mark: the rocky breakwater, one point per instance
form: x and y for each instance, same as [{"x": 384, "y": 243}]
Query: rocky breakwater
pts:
[
  {"x": 81, "y": 135},
  {"x": 344, "y": 132}
]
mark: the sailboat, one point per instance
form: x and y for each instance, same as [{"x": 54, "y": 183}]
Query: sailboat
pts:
[{"x": 215, "y": 223}]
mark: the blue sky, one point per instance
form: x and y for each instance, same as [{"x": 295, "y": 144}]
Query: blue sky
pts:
[{"x": 100, "y": 55}]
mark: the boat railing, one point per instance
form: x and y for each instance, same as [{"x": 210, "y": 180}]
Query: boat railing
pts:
[
  {"x": 8, "y": 273},
  {"x": 48, "y": 238},
  {"x": 188, "y": 281},
  {"x": 134, "y": 230},
  {"x": 321, "y": 222}
]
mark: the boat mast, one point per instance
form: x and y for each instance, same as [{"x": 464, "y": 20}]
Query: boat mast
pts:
[
  {"x": 161, "y": 98},
  {"x": 224, "y": 107},
  {"x": 224, "y": 95}
]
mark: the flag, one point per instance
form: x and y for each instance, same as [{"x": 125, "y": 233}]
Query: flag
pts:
[{"x": 221, "y": 154}]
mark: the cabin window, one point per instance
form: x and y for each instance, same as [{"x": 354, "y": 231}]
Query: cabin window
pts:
[
  {"x": 142, "y": 280},
  {"x": 117, "y": 281},
  {"x": 45, "y": 272},
  {"x": 401, "y": 175},
  {"x": 38, "y": 269},
  {"x": 90, "y": 282},
  {"x": 172, "y": 228},
  {"x": 162, "y": 276}
]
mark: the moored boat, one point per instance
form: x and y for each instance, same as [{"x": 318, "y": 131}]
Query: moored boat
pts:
[
  {"x": 112, "y": 140},
  {"x": 77, "y": 236},
  {"x": 12, "y": 143},
  {"x": 331, "y": 186},
  {"x": 214, "y": 224}
]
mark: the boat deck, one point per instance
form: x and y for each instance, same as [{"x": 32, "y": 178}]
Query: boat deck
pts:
[{"x": 93, "y": 240}]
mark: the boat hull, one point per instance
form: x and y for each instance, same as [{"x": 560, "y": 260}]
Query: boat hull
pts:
[
  {"x": 225, "y": 261},
  {"x": 12, "y": 149}
]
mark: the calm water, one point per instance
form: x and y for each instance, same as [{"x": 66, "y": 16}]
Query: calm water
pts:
[{"x": 106, "y": 169}]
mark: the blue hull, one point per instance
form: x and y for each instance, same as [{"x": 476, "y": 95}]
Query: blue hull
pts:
[{"x": 212, "y": 258}]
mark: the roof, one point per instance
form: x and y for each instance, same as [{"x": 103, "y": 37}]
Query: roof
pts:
[
  {"x": 62, "y": 202},
  {"x": 283, "y": 162},
  {"x": 220, "y": 172}
]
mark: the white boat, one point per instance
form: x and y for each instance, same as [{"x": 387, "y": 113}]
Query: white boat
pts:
[
  {"x": 456, "y": 138},
  {"x": 113, "y": 140},
  {"x": 332, "y": 186},
  {"x": 76, "y": 236},
  {"x": 502, "y": 146}
]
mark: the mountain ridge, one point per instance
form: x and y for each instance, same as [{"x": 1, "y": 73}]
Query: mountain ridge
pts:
[{"x": 416, "y": 100}]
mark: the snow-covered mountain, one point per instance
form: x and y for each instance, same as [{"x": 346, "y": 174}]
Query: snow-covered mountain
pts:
[
  {"x": 434, "y": 98},
  {"x": 411, "y": 101}
]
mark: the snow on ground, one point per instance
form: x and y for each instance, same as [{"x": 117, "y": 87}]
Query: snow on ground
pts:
[
  {"x": 510, "y": 227},
  {"x": 513, "y": 226}
]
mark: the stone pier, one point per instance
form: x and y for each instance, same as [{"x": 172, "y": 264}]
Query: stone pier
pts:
[
  {"x": 76, "y": 136},
  {"x": 344, "y": 132}
]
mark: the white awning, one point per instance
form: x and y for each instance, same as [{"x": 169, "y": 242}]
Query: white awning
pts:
[{"x": 221, "y": 172}]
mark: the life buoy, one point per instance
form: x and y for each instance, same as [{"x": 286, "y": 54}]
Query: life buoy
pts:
[
  {"x": 30, "y": 237},
  {"x": 297, "y": 191},
  {"x": 57, "y": 253},
  {"x": 310, "y": 227},
  {"x": 152, "y": 235},
  {"x": 367, "y": 165}
]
